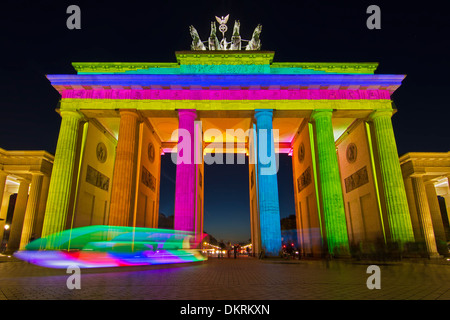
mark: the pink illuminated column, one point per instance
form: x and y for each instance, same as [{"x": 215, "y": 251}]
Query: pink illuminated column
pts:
[{"x": 185, "y": 189}]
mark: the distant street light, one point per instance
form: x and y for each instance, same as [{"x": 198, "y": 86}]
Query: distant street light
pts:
[{"x": 6, "y": 226}]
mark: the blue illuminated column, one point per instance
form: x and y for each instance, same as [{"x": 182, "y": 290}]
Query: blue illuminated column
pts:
[{"x": 269, "y": 208}]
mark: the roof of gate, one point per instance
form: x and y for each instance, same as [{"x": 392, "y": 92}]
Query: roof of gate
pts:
[{"x": 220, "y": 62}]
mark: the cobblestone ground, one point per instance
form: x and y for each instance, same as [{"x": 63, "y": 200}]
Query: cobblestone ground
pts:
[{"x": 231, "y": 279}]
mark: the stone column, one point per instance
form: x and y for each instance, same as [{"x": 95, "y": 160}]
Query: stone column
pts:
[
  {"x": 3, "y": 192},
  {"x": 185, "y": 189},
  {"x": 60, "y": 188},
  {"x": 330, "y": 184},
  {"x": 3, "y": 176},
  {"x": 436, "y": 217},
  {"x": 392, "y": 181},
  {"x": 253, "y": 192},
  {"x": 423, "y": 210},
  {"x": 42, "y": 203},
  {"x": 447, "y": 199},
  {"x": 412, "y": 209},
  {"x": 18, "y": 217},
  {"x": 269, "y": 208},
  {"x": 32, "y": 208},
  {"x": 122, "y": 193},
  {"x": 4, "y": 211}
]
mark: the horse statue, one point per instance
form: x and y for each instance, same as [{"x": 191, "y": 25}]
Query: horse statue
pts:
[
  {"x": 255, "y": 43},
  {"x": 236, "y": 38},
  {"x": 196, "y": 44},
  {"x": 213, "y": 41}
]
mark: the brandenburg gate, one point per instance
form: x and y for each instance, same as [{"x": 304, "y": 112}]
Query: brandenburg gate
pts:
[{"x": 334, "y": 119}]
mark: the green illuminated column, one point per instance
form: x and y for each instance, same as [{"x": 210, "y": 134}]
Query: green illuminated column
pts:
[
  {"x": 32, "y": 208},
  {"x": 120, "y": 211},
  {"x": 62, "y": 175},
  {"x": 392, "y": 181},
  {"x": 330, "y": 184},
  {"x": 423, "y": 210}
]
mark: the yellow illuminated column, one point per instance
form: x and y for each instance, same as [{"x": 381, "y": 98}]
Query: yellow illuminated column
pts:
[
  {"x": 447, "y": 199},
  {"x": 124, "y": 167},
  {"x": 32, "y": 208},
  {"x": 424, "y": 214},
  {"x": 412, "y": 209},
  {"x": 18, "y": 217},
  {"x": 4, "y": 205},
  {"x": 436, "y": 217},
  {"x": 62, "y": 175},
  {"x": 392, "y": 181},
  {"x": 39, "y": 219},
  {"x": 3, "y": 176}
]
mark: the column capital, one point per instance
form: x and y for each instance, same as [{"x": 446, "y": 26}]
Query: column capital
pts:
[
  {"x": 130, "y": 112},
  {"x": 417, "y": 175},
  {"x": 263, "y": 112},
  {"x": 70, "y": 113},
  {"x": 23, "y": 180},
  {"x": 429, "y": 182},
  {"x": 187, "y": 113},
  {"x": 318, "y": 113},
  {"x": 380, "y": 113},
  {"x": 36, "y": 173}
]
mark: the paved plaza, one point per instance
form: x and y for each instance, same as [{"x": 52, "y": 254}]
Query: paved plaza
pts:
[{"x": 231, "y": 279}]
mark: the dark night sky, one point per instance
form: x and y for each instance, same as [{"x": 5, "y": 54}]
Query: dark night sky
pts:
[{"x": 34, "y": 40}]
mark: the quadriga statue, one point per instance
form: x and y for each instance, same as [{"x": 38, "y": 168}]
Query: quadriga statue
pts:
[
  {"x": 196, "y": 44},
  {"x": 255, "y": 43}
]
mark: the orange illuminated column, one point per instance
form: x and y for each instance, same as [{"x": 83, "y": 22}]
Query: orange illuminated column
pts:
[
  {"x": 424, "y": 214},
  {"x": 122, "y": 193},
  {"x": 253, "y": 192},
  {"x": 32, "y": 208},
  {"x": 18, "y": 217},
  {"x": 60, "y": 189}
]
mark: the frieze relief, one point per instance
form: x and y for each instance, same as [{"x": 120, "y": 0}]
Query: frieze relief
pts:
[
  {"x": 356, "y": 180},
  {"x": 97, "y": 179}
]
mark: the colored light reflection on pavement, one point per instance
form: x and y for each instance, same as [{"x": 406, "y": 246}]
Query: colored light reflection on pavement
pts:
[{"x": 110, "y": 246}]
